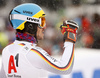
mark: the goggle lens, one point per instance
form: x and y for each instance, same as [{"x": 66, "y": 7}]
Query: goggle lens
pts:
[{"x": 43, "y": 22}]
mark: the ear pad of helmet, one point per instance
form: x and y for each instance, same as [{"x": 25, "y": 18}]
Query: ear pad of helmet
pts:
[{"x": 30, "y": 28}]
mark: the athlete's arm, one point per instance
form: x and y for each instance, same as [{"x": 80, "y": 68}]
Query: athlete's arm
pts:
[
  {"x": 2, "y": 72},
  {"x": 40, "y": 59}
]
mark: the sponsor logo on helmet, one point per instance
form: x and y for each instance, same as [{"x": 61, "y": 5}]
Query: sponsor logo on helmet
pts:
[
  {"x": 32, "y": 19},
  {"x": 27, "y": 12}
]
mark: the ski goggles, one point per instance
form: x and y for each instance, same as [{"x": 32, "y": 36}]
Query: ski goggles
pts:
[{"x": 41, "y": 20}]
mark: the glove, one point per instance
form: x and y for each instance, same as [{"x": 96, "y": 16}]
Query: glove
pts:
[{"x": 69, "y": 30}]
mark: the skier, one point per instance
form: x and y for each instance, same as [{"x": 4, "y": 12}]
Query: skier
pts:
[{"x": 23, "y": 58}]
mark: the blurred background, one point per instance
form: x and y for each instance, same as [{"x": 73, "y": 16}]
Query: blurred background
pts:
[{"x": 85, "y": 12}]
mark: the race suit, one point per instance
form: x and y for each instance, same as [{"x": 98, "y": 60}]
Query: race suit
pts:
[{"x": 23, "y": 59}]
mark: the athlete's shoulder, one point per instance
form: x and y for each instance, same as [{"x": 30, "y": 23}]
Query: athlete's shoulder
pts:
[
  {"x": 38, "y": 50},
  {"x": 7, "y": 46},
  {"x": 4, "y": 51}
]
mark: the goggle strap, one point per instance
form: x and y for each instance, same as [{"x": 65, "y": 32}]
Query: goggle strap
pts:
[{"x": 25, "y": 18}]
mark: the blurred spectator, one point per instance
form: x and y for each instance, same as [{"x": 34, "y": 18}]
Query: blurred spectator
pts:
[
  {"x": 76, "y": 2},
  {"x": 96, "y": 30},
  {"x": 87, "y": 36},
  {"x": 87, "y": 40},
  {"x": 85, "y": 24},
  {"x": 78, "y": 19},
  {"x": 10, "y": 32},
  {"x": 3, "y": 40},
  {"x": 2, "y": 24},
  {"x": 2, "y": 3}
]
